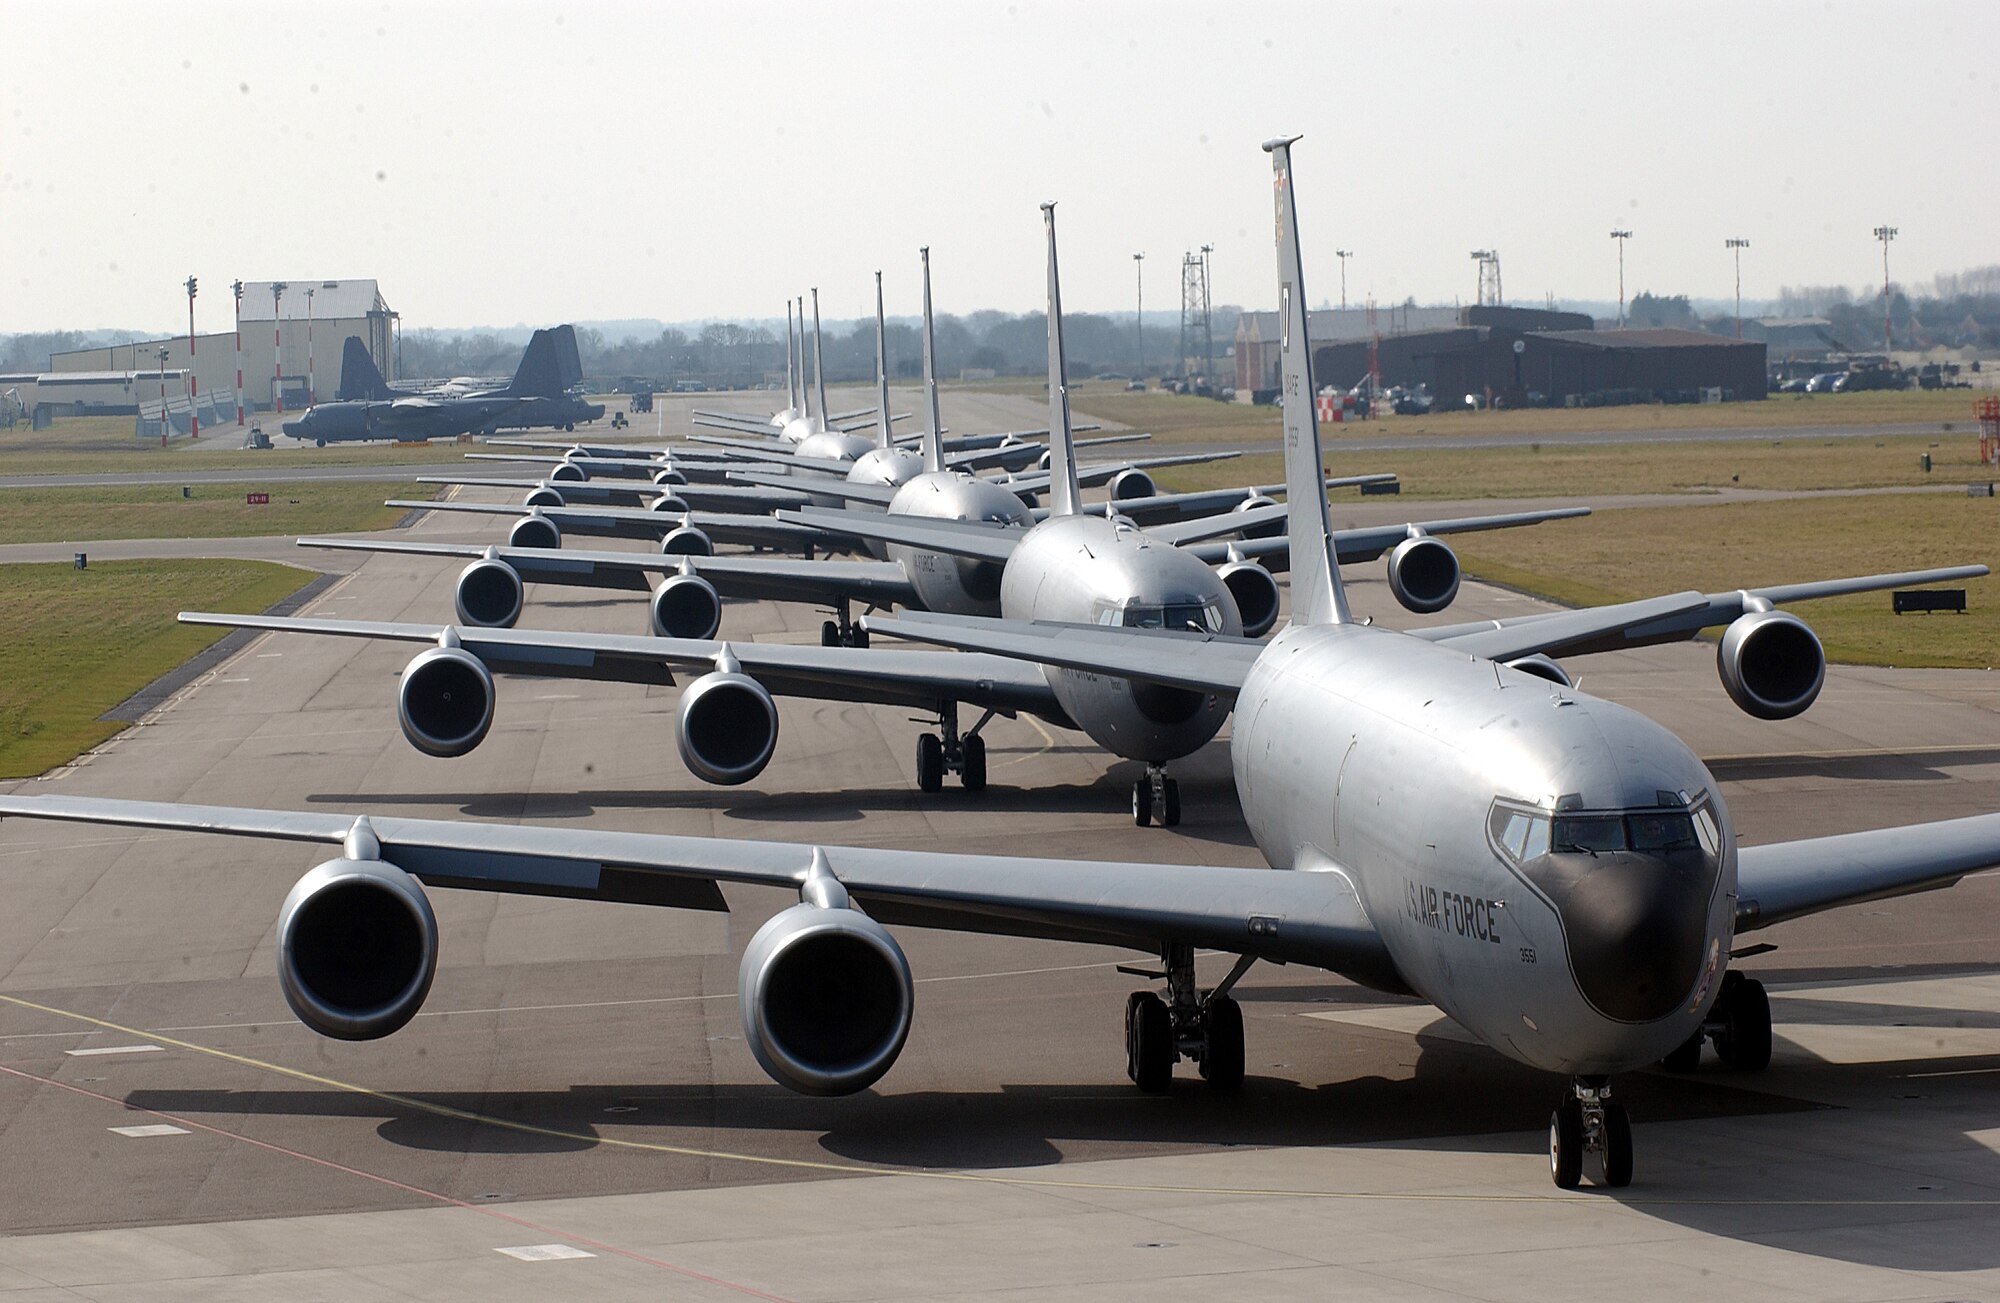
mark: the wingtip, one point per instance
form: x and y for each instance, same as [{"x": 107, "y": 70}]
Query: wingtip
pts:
[{"x": 1276, "y": 143}]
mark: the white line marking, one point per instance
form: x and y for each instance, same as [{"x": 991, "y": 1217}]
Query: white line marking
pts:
[
  {"x": 545, "y": 1252},
  {"x": 142, "y": 1133},
  {"x": 557, "y": 696},
  {"x": 269, "y": 656},
  {"x": 114, "y": 1049}
]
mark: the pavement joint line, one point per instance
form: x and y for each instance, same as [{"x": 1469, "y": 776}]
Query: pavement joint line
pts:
[
  {"x": 170, "y": 1123},
  {"x": 1049, "y": 1184}
]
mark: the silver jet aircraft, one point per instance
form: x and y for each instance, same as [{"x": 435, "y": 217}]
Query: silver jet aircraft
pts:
[{"x": 1556, "y": 873}]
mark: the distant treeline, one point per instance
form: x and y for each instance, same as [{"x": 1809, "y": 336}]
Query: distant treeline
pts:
[{"x": 1962, "y": 310}]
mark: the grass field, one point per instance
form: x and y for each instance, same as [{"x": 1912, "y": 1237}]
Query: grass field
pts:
[
  {"x": 104, "y": 445},
  {"x": 75, "y": 643},
  {"x": 214, "y": 511},
  {"x": 1619, "y": 555}
]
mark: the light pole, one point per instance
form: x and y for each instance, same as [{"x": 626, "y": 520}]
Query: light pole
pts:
[
  {"x": 194, "y": 416},
  {"x": 1885, "y": 234},
  {"x": 277, "y": 348},
  {"x": 1343, "y": 255},
  {"x": 165, "y": 424},
  {"x": 1738, "y": 246},
  {"x": 1139, "y": 313},
  {"x": 312, "y": 390},
  {"x": 1207, "y": 334},
  {"x": 1621, "y": 235},
  {"x": 236, "y": 288}
]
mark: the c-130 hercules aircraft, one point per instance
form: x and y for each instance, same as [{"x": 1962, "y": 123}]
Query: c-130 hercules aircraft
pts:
[{"x": 1555, "y": 872}]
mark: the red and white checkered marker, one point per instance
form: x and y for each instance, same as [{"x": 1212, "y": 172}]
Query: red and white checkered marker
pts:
[{"x": 1326, "y": 407}]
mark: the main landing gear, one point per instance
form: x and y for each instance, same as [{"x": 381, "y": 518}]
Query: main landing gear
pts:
[
  {"x": 1739, "y": 1023},
  {"x": 1205, "y": 1026},
  {"x": 1589, "y": 1121},
  {"x": 842, "y": 631},
  {"x": 945, "y": 752},
  {"x": 1156, "y": 796}
]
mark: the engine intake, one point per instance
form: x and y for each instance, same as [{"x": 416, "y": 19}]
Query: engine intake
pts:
[
  {"x": 1270, "y": 528},
  {"x": 568, "y": 470},
  {"x": 534, "y": 531},
  {"x": 727, "y": 727},
  {"x": 1771, "y": 664},
  {"x": 668, "y": 477},
  {"x": 826, "y": 999},
  {"x": 1423, "y": 574},
  {"x": 543, "y": 496},
  {"x": 670, "y": 502},
  {"x": 1256, "y": 594},
  {"x": 1132, "y": 483},
  {"x": 357, "y": 949},
  {"x": 686, "y": 606},
  {"x": 445, "y": 702},
  {"x": 686, "y": 540},
  {"x": 489, "y": 594},
  {"x": 1542, "y": 668}
]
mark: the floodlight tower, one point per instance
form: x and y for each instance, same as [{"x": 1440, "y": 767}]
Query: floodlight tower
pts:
[
  {"x": 1343, "y": 255},
  {"x": 194, "y": 416},
  {"x": 1489, "y": 277},
  {"x": 1207, "y": 323},
  {"x": 1885, "y": 234},
  {"x": 1621, "y": 235},
  {"x": 1191, "y": 307},
  {"x": 1139, "y": 314},
  {"x": 1738, "y": 246},
  {"x": 236, "y": 288},
  {"x": 277, "y": 348}
]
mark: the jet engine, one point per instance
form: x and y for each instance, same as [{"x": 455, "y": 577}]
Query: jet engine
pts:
[
  {"x": 357, "y": 948},
  {"x": 1256, "y": 594},
  {"x": 826, "y": 999},
  {"x": 568, "y": 470},
  {"x": 1423, "y": 574},
  {"x": 488, "y": 594},
  {"x": 668, "y": 477},
  {"x": 542, "y": 496},
  {"x": 445, "y": 702},
  {"x": 670, "y": 502},
  {"x": 1542, "y": 668},
  {"x": 1771, "y": 664},
  {"x": 1269, "y": 529},
  {"x": 686, "y": 606},
  {"x": 1132, "y": 483},
  {"x": 727, "y": 727},
  {"x": 686, "y": 540},
  {"x": 534, "y": 531}
]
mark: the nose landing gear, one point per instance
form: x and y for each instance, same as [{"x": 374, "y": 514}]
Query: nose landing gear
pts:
[
  {"x": 1205, "y": 1026},
  {"x": 1588, "y": 1120},
  {"x": 842, "y": 631},
  {"x": 945, "y": 751},
  {"x": 1156, "y": 794}
]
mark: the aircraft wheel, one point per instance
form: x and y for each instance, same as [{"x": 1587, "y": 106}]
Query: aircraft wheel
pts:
[
  {"x": 972, "y": 769},
  {"x": 829, "y": 634},
  {"x": 569, "y": 427},
  {"x": 1170, "y": 809},
  {"x": 859, "y": 638},
  {"x": 930, "y": 763},
  {"x": 1745, "y": 1039},
  {"x": 1142, "y": 803},
  {"x": 1149, "y": 1042},
  {"x": 1685, "y": 1057},
  {"x": 1566, "y": 1145},
  {"x": 1617, "y": 1146},
  {"x": 1222, "y": 1058},
  {"x": 319, "y": 443}
]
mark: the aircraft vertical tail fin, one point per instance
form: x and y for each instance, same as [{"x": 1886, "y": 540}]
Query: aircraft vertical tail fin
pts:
[
  {"x": 359, "y": 377},
  {"x": 542, "y": 370},
  {"x": 934, "y": 435},
  {"x": 1317, "y": 597},
  {"x": 1065, "y": 498},
  {"x": 884, "y": 436},
  {"x": 791, "y": 376},
  {"x": 819, "y": 365}
]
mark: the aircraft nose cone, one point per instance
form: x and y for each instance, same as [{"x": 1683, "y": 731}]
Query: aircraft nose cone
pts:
[
  {"x": 1635, "y": 925},
  {"x": 293, "y": 427}
]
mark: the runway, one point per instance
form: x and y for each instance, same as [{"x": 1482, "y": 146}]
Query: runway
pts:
[{"x": 575, "y": 1111}]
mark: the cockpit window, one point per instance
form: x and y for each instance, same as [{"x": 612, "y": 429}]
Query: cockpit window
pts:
[
  {"x": 1528, "y": 834},
  {"x": 1177, "y": 615},
  {"x": 1660, "y": 831},
  {"x": 1592, "y": 833}
]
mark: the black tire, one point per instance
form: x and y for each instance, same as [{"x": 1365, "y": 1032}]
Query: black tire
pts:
[
  {"x": 1566, "y": 1145},
  {"x": 859, "y": 638},
  {"x": 1170, "y": 808},
  {"x": 1617, "y": 1152},
  {"x": 930, "y": 763},
  {"x": 1745, "y": 1040},
  {"x": 972, "y": 770},
  {"x": 829, "y": 634},
  {"x": 1149, "y": 1042},
  {"x": 1685, "y": 1057},
  {"x": 1142, "y": 803},
  {"x": 1222, "y": 1057}
]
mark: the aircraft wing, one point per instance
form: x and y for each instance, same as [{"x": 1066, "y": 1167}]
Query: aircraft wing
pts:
[
  {"x": 918, "y": 679},
  {"x": 977, "y": 539},
  {"x": 1294, "y": 917},
  {"x": 1016, "y": 456},
  {"x": 1369, "y": 542},
  {"x": 639, "y": 522},
  {"x": 1792, "y": 879},
  {"x": 1202, "y": 662},
  {"x": 862, "y": 419},
  {"x": 1199, "y": 528},
  {"x": 876, "y": 495},
  {"x": 743, "y": 422},
  {"x": 1087, "y": 476}
]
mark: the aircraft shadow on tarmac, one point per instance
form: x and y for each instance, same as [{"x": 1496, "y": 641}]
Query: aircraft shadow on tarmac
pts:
[{"x": 1879, "y": 766}]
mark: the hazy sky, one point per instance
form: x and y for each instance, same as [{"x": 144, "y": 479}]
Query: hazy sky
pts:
[{"x": 504, "y": 163}]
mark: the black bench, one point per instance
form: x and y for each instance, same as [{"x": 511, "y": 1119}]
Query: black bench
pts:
[{"x": 1928, "y": 600}]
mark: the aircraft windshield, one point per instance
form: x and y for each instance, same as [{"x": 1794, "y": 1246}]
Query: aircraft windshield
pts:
[
  {"x": 1529, "y": 834},
  {"x": 1175, "y": 615}
]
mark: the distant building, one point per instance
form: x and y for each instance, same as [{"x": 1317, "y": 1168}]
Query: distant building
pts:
[
  {"x": 1592, "y": 367},
  {"x": 1257, "y": 336},
  {"x": 1795, "y": 346}
]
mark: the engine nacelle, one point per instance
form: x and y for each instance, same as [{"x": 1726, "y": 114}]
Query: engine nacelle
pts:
[
  {"x": 568, "y": 471},
  {"x": 534, "y": 531},
  {"x": 543, "y": 496},
  {"x": 1132, "y": 483},
  {"x": 1269, "y": 529},
  {"x": 826, "y": 999},
  {"x": 1256, "y": 594},
  {"x": 445, "y": 702},
  {"x": 670, "y": 502},
  {"x": 1423, "y": 574},
  {"x": 727, "y": 728},
  {"x": 1771, "y": 664},
  {"x": 488, "y": 594},
  {"x": 668, "y": 477},
  {"x": 357, "y": 949},
  {"x": 686, "y": 540},
  {"x": 686, "y": 606},
  {"x": 1542, "y": 668}
]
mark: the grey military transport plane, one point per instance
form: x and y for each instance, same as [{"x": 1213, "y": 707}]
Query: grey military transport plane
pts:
[{"x": 1556, "y": 873}]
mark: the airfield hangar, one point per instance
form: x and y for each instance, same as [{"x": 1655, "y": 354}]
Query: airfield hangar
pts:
[{"x": 304, "y": 339}]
